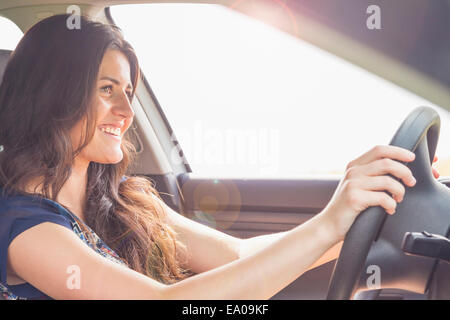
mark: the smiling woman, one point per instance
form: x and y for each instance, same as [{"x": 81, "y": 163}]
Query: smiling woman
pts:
[
  {"x": 74, "y": 226},
  {"x": 114, "y": 113},
  {"x": 65, "y": 111}
]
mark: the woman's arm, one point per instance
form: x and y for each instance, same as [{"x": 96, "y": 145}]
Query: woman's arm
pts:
[
  {"x": 265, "y": 272},
  {"x": 208, "y": 248},
  {"x": 54, "y": 260},
  {"x": 272, "y": 268},
  {"x": 251, "y": 245},
  {"x": 46, "y": 256},
  {"x": 43, "y": 254}
]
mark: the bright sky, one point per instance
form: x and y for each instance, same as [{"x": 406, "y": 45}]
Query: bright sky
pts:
[{"x": 246, "y": 99}]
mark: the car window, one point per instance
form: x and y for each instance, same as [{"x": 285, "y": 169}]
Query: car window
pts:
[
  {"x": 246, "y": 99},
  {"x": 11, "y": 34}
]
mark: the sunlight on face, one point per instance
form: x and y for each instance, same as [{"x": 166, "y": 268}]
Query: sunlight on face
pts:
[{"x": 114, "y": 112}]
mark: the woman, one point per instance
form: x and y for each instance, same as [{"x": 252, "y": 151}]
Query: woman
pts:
[{"x": 72, "y": 226}]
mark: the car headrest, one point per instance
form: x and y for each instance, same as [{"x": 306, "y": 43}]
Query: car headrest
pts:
[{"x": 4, "y": 56}]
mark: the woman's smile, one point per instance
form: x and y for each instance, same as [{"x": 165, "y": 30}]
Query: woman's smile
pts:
[
  {"x": 111, "y": 135},
  {"x": 112, "y": 130}
]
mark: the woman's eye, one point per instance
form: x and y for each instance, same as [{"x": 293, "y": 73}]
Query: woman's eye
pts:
[
  {"x": 109, "y": 90},
  {"x": 106, "y": 89}
]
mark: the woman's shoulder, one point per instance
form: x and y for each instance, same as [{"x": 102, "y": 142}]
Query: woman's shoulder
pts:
[
  {"x": 22, "y": 206},
  {"x": 19, "y": 213}
]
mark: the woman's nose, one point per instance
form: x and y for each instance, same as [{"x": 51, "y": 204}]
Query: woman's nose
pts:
[{"x": 123, "y": 106}]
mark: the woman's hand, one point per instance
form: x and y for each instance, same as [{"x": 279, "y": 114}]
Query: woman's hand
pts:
[{"x": 365, "y": 180}]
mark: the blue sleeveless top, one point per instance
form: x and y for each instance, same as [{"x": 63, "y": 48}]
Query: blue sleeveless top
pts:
[{"x": 19, "y": 213}]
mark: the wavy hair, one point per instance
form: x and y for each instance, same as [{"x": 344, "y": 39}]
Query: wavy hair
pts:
[{"x": 48, "y": 86}]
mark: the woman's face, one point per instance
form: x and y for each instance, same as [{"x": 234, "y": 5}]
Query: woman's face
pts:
[{"x": 114, "y": 112}]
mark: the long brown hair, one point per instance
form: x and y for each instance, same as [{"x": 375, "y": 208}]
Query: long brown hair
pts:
[{"x": 47, "y": 87}]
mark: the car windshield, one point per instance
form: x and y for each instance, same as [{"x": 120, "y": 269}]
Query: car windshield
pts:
[{"x": 246, "y": 99}]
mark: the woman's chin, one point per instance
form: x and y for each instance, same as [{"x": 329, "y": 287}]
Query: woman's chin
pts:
[{"x": 111, "y": 159}]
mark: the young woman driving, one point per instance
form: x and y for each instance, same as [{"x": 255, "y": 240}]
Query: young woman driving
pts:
[{"x": 73, "y": 226}]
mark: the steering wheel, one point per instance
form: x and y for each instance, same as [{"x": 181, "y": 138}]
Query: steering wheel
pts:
[{"x": 375, "y": 239}]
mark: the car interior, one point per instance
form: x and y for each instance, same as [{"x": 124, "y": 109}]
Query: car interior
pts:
[{"x": 247, "y": 207}]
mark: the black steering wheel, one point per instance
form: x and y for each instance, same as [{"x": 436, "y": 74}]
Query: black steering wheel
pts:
[{"x": 375, "y": 238}]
